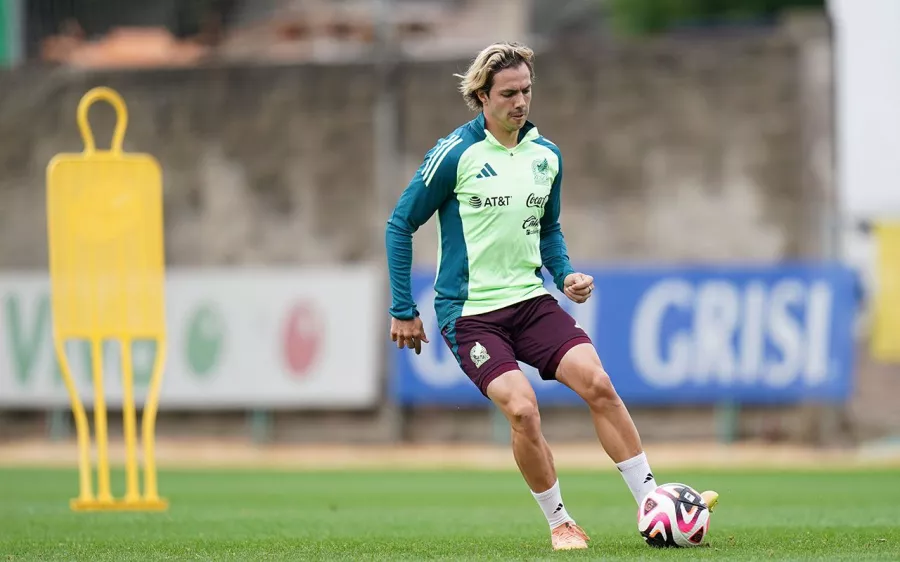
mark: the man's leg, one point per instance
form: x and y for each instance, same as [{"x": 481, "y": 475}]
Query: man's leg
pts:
[
  {"x": 551, "y": 340},
  {"x": 482, "y": 345},
  {"x": 581, "y": 370},
  {"x": 514, "y": 396}
]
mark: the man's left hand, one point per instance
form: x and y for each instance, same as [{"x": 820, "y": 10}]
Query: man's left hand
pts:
[{"x": 578, "y": 287}]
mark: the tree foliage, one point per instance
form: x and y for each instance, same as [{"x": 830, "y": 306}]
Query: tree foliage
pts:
[{"x": 642, "y": 17}]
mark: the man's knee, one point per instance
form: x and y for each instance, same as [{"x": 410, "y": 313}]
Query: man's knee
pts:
[
  {"x": 598, "y": 390},
  {"x": 523, "y": 414},
  {"x": 582, "y": 371},
  {"x": 515, "y": 397}
]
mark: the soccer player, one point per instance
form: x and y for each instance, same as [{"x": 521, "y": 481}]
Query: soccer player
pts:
[{"x": 495, "y": 185}]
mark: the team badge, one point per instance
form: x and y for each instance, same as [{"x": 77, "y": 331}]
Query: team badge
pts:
[
  {"x": 479, "y": 355},
  {"x": 541, "y": 170}
]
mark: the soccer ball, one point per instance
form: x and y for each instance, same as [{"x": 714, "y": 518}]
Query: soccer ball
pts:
[{"x": 673, "y": 515}]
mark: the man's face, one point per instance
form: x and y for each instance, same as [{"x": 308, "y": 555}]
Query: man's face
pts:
[{"x": 509, "y": 100}]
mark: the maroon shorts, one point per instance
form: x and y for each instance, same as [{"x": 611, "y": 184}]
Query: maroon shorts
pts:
[{"x": 537, "y": 332}]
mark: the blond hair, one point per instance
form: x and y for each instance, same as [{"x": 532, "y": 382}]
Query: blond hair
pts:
[{"x": 494, "y": 58}]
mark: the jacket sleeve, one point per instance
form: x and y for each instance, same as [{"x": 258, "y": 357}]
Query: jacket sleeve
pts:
[
  {"x": 554, "y": 253},
  {"x": 431, "y": 186}
]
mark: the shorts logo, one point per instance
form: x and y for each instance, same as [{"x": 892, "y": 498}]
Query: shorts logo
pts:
[
  {"x": 541, "y": 170},
  {"x": 479, "y": 355}
]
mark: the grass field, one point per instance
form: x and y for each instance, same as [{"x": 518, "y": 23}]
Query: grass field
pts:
[{"x": 460, "y": 515}]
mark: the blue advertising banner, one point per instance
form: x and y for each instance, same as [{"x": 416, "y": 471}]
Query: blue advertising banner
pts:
[{"x": 760, "y": 335}]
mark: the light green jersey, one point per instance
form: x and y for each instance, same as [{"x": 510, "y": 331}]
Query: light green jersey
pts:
[{"x": 498, "y": 222}]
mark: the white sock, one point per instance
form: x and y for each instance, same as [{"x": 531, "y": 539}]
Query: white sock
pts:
[
  {"x": 552, "y": 505},
  {"x": 637, "y": 474}
]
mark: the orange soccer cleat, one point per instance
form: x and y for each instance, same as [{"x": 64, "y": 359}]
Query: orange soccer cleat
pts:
[{"x": 568, "y": 536}]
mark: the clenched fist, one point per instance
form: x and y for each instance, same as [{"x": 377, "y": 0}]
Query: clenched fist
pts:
[{"x": 578, "y": 287}]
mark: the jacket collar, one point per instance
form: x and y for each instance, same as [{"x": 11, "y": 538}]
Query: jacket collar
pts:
[{"x": 528, "y": 132}]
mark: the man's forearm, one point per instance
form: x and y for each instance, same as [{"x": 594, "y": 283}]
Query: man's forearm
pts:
[
  {"x": 554, "y": 255},
  {"x": 398, "y": 242}
]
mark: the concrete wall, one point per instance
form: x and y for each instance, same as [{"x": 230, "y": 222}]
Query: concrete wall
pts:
[
  {"x": 261, "y": 165},
  {"x": 675, "y": 150}
]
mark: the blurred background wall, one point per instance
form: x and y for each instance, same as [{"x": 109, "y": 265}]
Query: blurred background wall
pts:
[{"x": 698, "y": 137}]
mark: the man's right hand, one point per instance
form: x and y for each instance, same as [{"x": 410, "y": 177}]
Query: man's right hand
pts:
[{"x": 408, "y": 333}]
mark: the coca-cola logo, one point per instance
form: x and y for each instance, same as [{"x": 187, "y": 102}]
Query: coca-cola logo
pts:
[{"x": 536, "y": 201}]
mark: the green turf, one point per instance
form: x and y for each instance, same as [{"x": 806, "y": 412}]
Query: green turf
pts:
[{"x": 242, "y": 515}]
